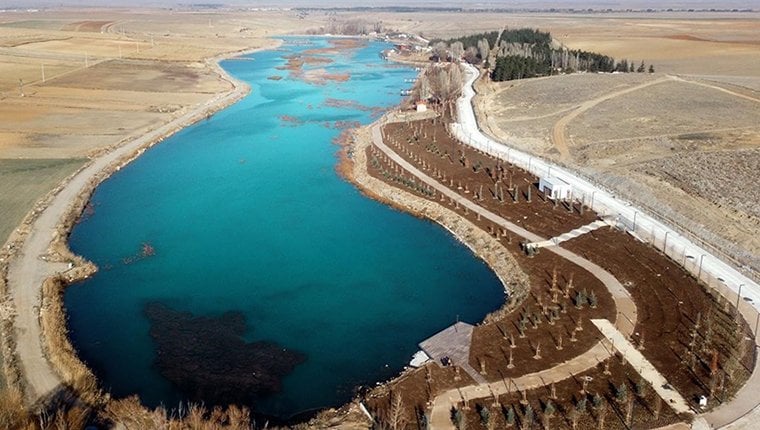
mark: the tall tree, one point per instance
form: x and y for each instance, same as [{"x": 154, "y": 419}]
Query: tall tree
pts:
[
  {"x": 457, "y": 50},
  {"x": 440, "y": 51}
]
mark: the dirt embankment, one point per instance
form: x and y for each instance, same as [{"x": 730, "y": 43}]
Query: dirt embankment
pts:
[
  {"x": 671, "y": 303},
  {"x": 353, "y": 166}
]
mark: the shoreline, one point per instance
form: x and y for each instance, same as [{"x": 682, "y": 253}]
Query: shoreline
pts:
[
  {"x": 38, "y": 356},
  {"x": 70, "y": 372},
  {"x": 352, "y": 165}
]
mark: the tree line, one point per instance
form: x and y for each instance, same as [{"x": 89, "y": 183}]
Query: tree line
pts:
[{"x": 525, "y": 53}]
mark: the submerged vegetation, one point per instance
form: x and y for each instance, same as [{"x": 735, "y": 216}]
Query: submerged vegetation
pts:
[{"x": 210, "y": 361}]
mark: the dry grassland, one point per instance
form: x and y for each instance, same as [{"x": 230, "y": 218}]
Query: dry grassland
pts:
[
  {"x": 679, "y": 110},
  {"x": 683, "y": 144},
  {"x": 109, "y": 75},
  {"x": 23, "y": 182}
]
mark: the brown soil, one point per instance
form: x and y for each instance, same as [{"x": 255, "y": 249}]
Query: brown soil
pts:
[
  {"x": 337, "y": 77},
  {"x": 317, "y": 60},
  {"x": 429, "y": 142},
  {"x": 416, "y": 387},
  {"x": 86, "y": 26},
  {"x": 539, "y": 305},
  {"x": 336, "y": 45},
  {"x": 669, "y": 301},
  {"x": 685, "y": 37},
  {"x": 567, "y": 395},
  {"x": 658, "y": 286}
]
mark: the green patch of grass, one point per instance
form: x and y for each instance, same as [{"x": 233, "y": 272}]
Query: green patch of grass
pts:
[{"x": 23, "y": 182}]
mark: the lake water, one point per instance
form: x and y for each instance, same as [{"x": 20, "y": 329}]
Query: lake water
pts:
[{"x": 234, "y": 261}]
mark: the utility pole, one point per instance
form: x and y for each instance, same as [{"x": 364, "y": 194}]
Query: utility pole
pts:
[
  {"x": 43, "y": 72},
  {"x": 21, "y": 86}
]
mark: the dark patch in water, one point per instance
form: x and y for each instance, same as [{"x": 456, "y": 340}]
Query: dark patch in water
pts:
[{"x": 210, "y": 362}]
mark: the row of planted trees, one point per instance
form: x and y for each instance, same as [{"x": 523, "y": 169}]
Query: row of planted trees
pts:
[
  {"x": 525, "y": 53},
  {"x": 585, "y": 409}
]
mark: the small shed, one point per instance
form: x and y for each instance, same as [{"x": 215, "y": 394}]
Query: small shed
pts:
[
  {"x": 555, "y": 188},
  {"x": 421, "y": 106}
]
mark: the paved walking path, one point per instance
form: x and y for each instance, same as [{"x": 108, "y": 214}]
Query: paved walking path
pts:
[
  {"x": 440, "y": 415},
  {"x": 742, "y": 412},
  {"x": 572, "y": 234},
  {"x": 642, "y": 365}
]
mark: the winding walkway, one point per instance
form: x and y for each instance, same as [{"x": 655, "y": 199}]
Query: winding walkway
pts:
[
  {"x": 742, "y": 412},
  {"x": 440, "y": 415}
]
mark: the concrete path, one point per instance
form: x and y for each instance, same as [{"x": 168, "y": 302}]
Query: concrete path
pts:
[
  {"x": 744, "y": 410},
  {"x": 600, "y": 200},
  {"x": 28, "y": 269},
  {"x": 440, "y": 415},
  {"x": 572, "y": 234},
  {"x": 643, "y": 366}
]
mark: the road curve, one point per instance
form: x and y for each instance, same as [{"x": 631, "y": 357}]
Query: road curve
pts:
[
  {"x": 559, "y": 131},
  {"x": 440, "y": 414},
  {"x": 743, "y": 410}
]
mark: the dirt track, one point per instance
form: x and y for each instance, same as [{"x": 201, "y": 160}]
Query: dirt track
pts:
[
  {"x": 30, "y": 267},
  {"x": 559, "y": 134}
]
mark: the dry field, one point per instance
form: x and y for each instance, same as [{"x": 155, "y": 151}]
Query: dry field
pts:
[
  {"x": 705, "y": 44},
  {"x": 680, "y": 143},
  {"x": 94, "y": 78},
  {"x": 23, "y": 182},
  {"x": 658, "y": 144}
]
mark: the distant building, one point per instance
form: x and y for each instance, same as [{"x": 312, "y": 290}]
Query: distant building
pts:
[
  {"x": 555, "y": 188},
  {"x": 421, "y": 106}
]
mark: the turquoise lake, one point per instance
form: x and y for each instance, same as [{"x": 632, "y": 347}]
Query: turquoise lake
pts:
[{"x": 258, "y": 239}]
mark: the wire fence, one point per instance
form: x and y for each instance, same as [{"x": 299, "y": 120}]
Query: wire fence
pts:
[{"x": 742, "y": 260}]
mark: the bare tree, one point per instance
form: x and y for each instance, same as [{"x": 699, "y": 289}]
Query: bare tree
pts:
[
  {"x": 424, "y": 87},
  {"x": 397, "y": 415},
  {"x": 484, "y": 49},
  {"x": 457, "y": 50},
  {"x": 471, "y": 55},
  {"x": 441, "y": 51}
]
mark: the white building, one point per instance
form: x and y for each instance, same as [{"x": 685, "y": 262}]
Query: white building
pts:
[{"x": 555, "y": 188}]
